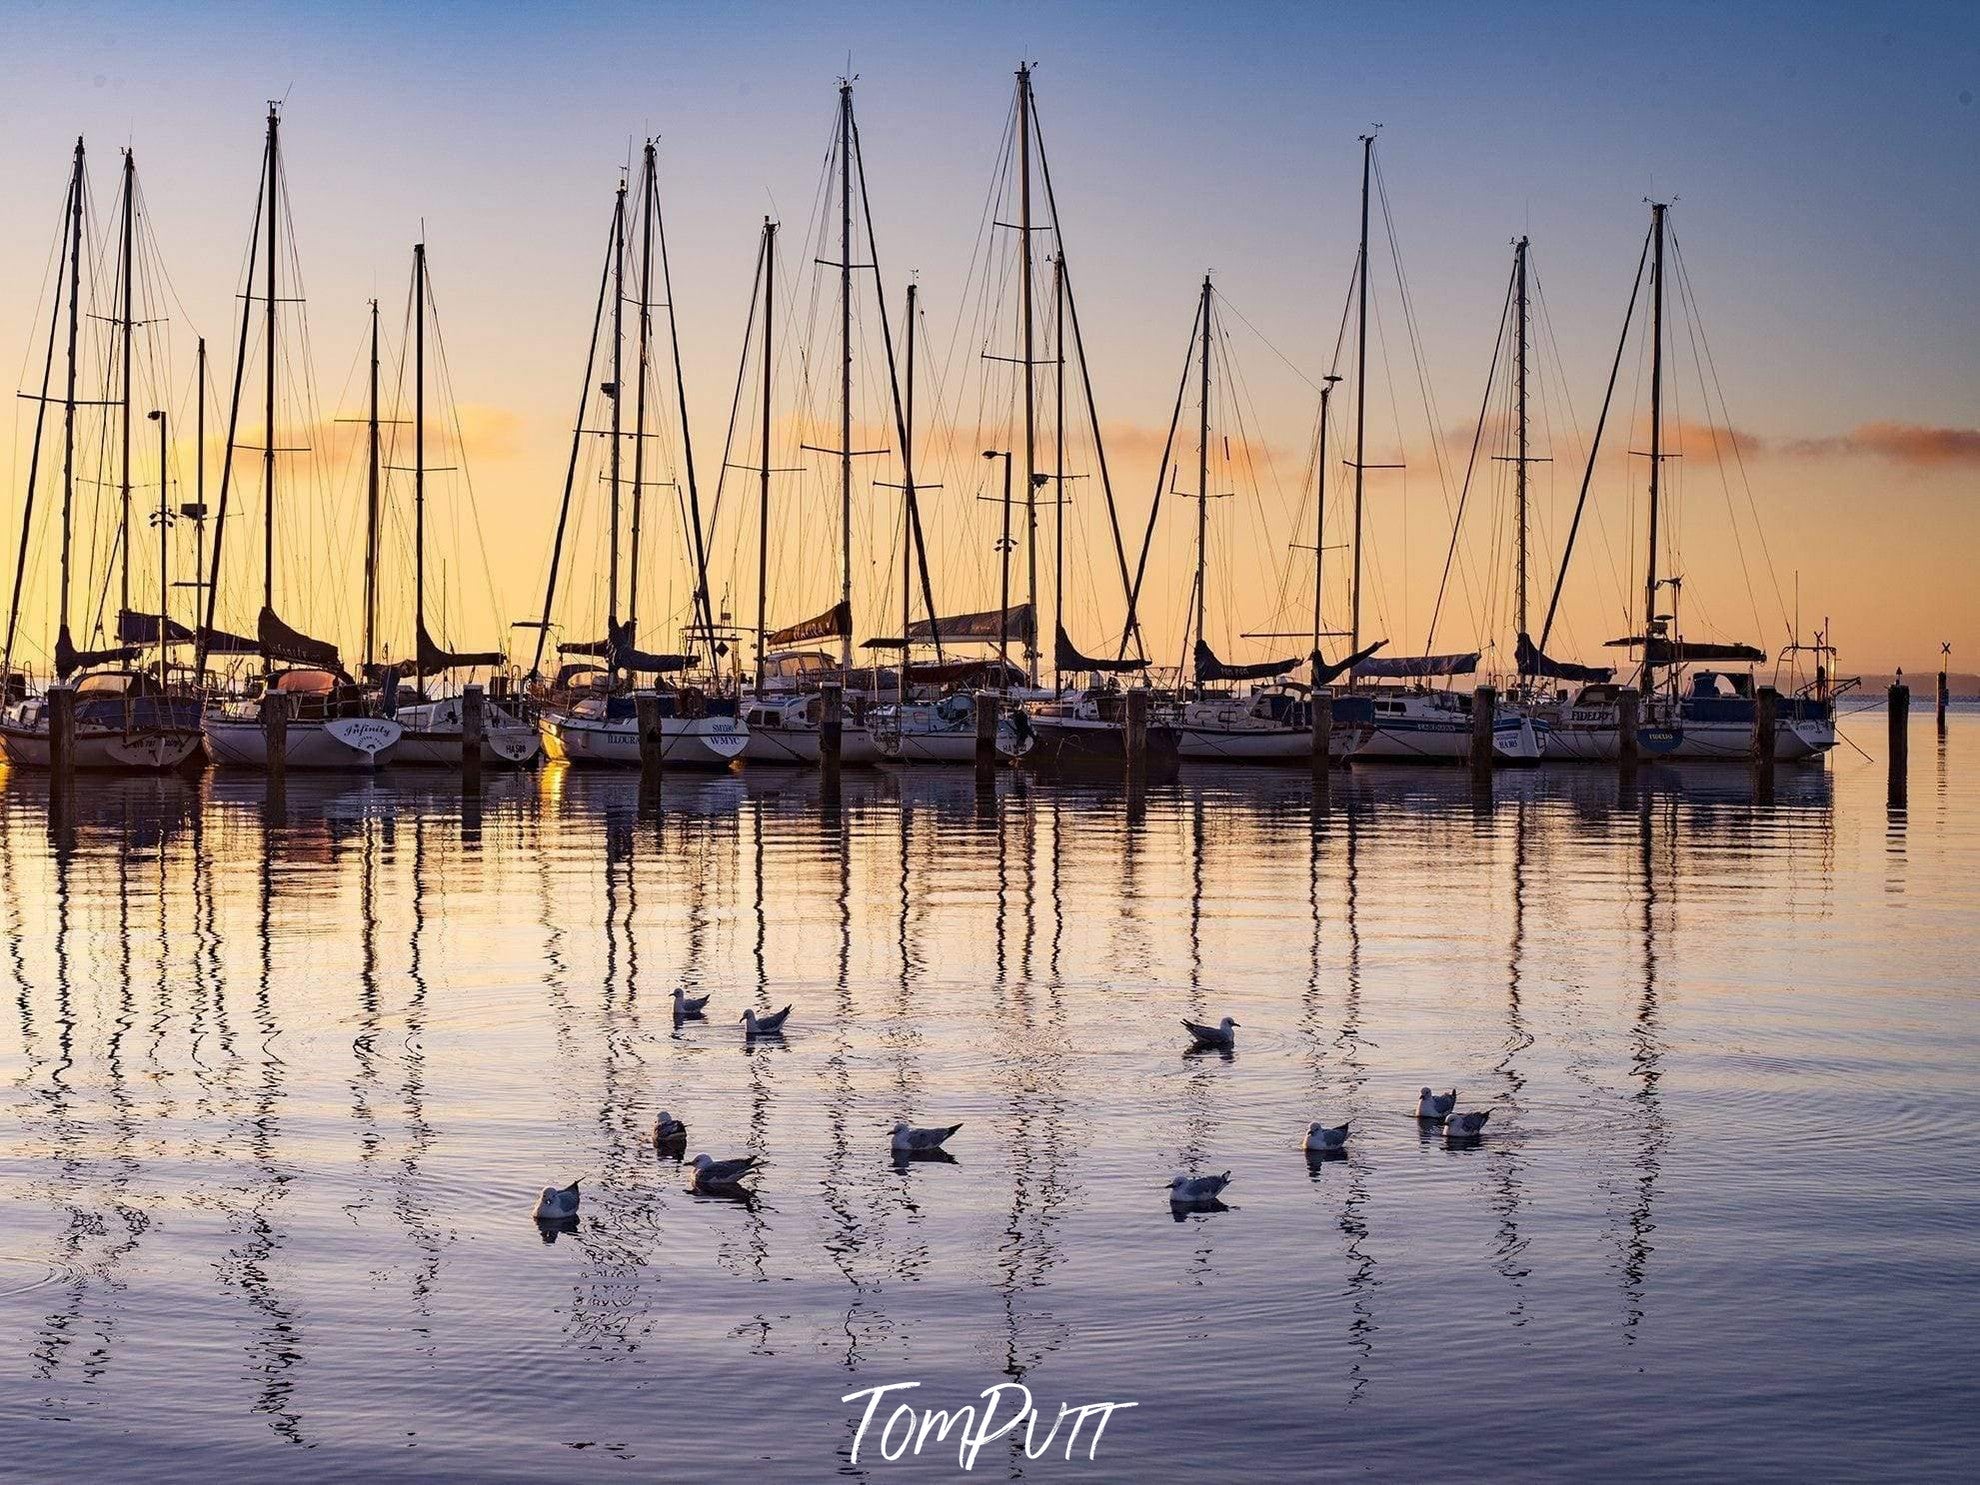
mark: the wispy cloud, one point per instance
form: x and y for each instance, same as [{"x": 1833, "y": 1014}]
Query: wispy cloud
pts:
[{"x": 1918, "y": 445}]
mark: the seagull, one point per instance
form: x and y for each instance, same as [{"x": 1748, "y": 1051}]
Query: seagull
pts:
[
  {"x": 909, "y": 1140},
  {"x": 687, "y": 1007},
  {"x": 1435, "y": 1105},
  {"x": 1323, "y": 1141},
  {"x": 1466, "y": 1126},
  {"x": 755, "y": 1025},
  {"x": 554, "y": 1205},
  {"x": 1216, "y": 1038},
  {"x": 1184, "y": 1189},
  {"x": 667, "y": 1129},
  {"x": 717, "y": 1175}
]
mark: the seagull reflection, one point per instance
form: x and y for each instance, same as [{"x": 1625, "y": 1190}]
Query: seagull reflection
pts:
[
  {"x": 902, "y": 1159},
  {"x": 552, "y": 1228}
]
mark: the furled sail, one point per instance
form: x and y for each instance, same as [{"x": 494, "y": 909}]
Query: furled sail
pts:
[
  {"x": 1661, "y": 651},
  {"x": 433, "y": 658},
  {"x": 1410, "y": 667},
  {"x": 280, "y": 642},
  {"x": 142, "y": 629},
  {"x": 69, "y": 659},
  {"x": 1210, "y": 668},
  {"x": 1328, "y": 674},
  {"x": 1532, "y": 662},
  {"x": 1066, "y": 657},
  {"x": 225, "y": 642},
  {"x": 619, "y": 651},
  {"x": 1018, "y": 624},
  {"x": 835, "y": 623}
]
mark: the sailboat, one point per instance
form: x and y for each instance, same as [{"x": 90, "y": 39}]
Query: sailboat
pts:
[
  {"x": 786, "y": 720},
  {"x": 588, "y": 712},
  {"x": 1693, "y": 705},
  {"x": 128, "y": 717},
  {"x": 1422, "y": 724},
  {"x": 432, "y": 724},
  {"x": 332, "y": 723}
]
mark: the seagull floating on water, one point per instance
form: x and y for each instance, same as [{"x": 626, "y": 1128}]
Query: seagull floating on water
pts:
[
  {"x": 1323, "y": 1141},
  {"x": 554, "y": 1205},
  {"x": 717, "y": 1175},
  {"x": 909, "y": 1140},
  {"x": 687, "y": 1007},
  {"x": 1216, "y": 1038},
  {"x": 1435, "y": 1105},
  {"x": 1185, "y": 1189},
  {"x": 667, "y": 1129},
  {"x": 1466, "y": 1126},
  {"x": 755, "y": 1025}
]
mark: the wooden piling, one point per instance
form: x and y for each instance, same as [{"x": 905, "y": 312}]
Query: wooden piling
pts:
[
  {"x": 1484, "y": 713},
  {"x": 275, "y": 733},
  {"x": 1628, "y": 717},
  {"x": 652, "y": 745},
  {"x": 1320, "y": 715},
  {"x": 1766, "y": 714},
  {"x": 471, "y": 725},
  {"x": 1943, "y": 698},
  {"x": 1899, "y": 717},
  {"x": 986, "y": 729},
  {"x": 831, "y": 725},
  {"x": 62, "y": 736},
  {"x": 1137, "y": 731}
]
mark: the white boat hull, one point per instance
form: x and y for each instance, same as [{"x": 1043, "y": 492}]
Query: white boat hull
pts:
[
  {"x": 1260, "y": 744},
  {"x": 1410, "y": 740},
  {"x": 1722, "y": 742},
  {"x": 798, "y": 746},
  {"x": 108, "y": 752},
  {"x": 697, "y": 742},
  {"x": 432, "y": 737},
  {"x": 345, "y": 744}
]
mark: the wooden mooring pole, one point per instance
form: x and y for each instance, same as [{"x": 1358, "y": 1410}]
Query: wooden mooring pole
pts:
[
  {"x": 1766, "y": 718},
  {"x": 831, "y": 726},
  {"x": 986, "y": 730},
  {"x": 1484, "y": 714},
  {"x": 1899, "y": 717},
  {"x": 1628, "y": 717},
  {"x": 275, "y": 734},
  {"x": 1945, "y": 652},
  {"x": 62, "y": 737},
  {"x": 471, "y": 729},
  {"x": 1320, "y": 714},
  {"x": 652, "y": 743},
  {"x": 1137, "y": 732}
]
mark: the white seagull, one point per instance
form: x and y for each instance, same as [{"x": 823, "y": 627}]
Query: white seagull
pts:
[
  {"x": 1321, "y": 1140},
  {"x": 554, "y": 1205},
  {"x": 687, "y": 1006},
  {"x": 755, "y": 1025},
  {"x": 909, "y": 1140},
  {"x": 1216, "y": 1038},
  {"x": 1435, "y": 1105},
  {"x": 667, "y": 1129},
  {"x": 1466, "y": 1126},
  {"x": 717, "y": 1175},
  {"x": 1198, "y": 1188}
]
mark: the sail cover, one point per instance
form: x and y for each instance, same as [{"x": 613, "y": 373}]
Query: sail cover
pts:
[
  {"x": 1532, "y": 662},
  {"x": 835, "y": 623},
  {"x": 1407, "y": 667},
  {"x": 280, "y": 642},
  {"x": 1210, "y": 668},
  {"x": 225, "y": 642},
  {"x": 69, "y": 659},
  {"x": 142, "y": 629},
  {"x": 619, "y": 651},
  {"x": 1661, "y": 651},
  {"x": 1019, "y": 623},
  {"x": 1066, "y": 657},
  {"x": 1328, "y": 674},
  {"x": 433, "y": 658}
]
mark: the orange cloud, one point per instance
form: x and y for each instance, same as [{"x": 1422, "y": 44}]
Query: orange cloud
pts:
[{"x": 1915, "y": 444}]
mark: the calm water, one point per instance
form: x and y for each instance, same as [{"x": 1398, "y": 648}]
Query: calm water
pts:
[{"x": 279, "y": 1081}]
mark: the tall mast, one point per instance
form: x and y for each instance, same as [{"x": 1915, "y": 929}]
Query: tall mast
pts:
[
  {"x": 1203, "y": 466},
  {"x": 909, "y": 524},
  {"x": 1058, "y": 463},
  {"x": 1656, "y": 422},
  {"x": 1360, "y": 392},
  {"x": 268, "y": 439},
  {"x": 763, "y": 452},
  {"x": 1030, "y": 401},
  {"x": 199, "y": 490},
  {"x": 1519, "y": 468},
  {"x": 647, "y": 187},
  {"x": 69, "y": 395},
  {"x": 124, "y": 414},
  {"x": 618, "y": 335},
  {"x": 371, "y": 509},
  {"x": 419, "y": 465},
  {"x": 164, "y": 554},
  {"x": 845, "y": 369}
]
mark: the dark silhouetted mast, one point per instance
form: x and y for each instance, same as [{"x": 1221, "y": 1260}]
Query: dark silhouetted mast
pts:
[
  {"x": 1030, "y": 391},
  {"x": 1320, "y": 509},
  {"x": 1656, "y": 424},
  {"x": 419, "y": 466},
  {"x": 1360, "y": 392},
  {"x": 763, "y": 451},
  {"x": 268, "y": 440},
  {"x": 845, "y": 369},
  {"x": 647, "y": 188},
  {"x": 69, "y": 395},
  {"x": 371, "y": 510},
  {"x": 1519, "y": 369},
  {"x": 1059, "y": 463},
  {"x": 1203, "y": 467},
  {"x": 125, "y": 327},
  {"x": 618, "y": 336}
]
